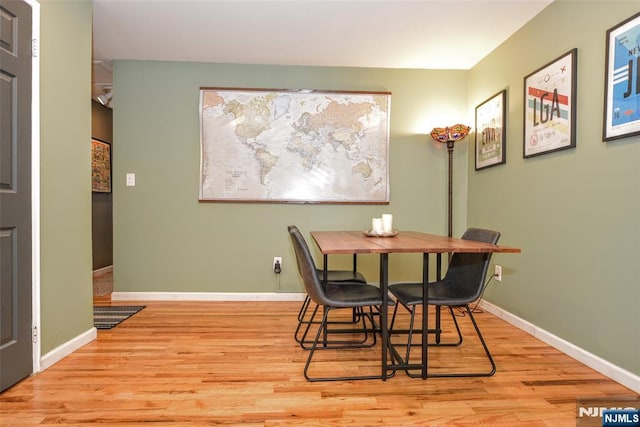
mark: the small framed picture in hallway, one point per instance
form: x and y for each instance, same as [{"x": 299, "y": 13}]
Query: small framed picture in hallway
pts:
[{"x": 100, "y": 166}]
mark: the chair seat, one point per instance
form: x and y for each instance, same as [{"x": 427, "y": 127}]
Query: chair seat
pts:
[
  {"x": 352, "y": 294},
  {"x": 440, "y": 293}
]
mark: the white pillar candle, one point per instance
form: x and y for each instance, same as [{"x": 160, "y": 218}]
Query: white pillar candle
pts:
[
  {"x": 387, "y": 223},
  {"x": 376, "y": 226}
]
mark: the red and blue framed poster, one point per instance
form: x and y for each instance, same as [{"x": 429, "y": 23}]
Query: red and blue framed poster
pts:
[{"x": 550, "y": 106}]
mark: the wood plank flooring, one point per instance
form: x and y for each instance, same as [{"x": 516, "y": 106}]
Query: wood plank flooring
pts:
[{"x": 236, "y": 363}]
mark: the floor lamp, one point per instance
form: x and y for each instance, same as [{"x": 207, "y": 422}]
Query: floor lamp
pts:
[{"x": 450, "y": 135}]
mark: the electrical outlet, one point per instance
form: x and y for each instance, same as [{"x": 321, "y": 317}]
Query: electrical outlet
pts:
[
  {"x": 498, "y": 273},
  {"x": 277, "y": 264}
]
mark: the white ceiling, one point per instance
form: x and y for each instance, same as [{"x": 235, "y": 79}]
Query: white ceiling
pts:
[{"x": 424, "y": 34}]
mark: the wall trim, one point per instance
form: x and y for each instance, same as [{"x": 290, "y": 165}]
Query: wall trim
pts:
[
  {"x": 35, "y": 183},
  {"x": 103, "y": 270},
  {"x": 62, "y": 351},
  {"x": 207, "y": 296},
  {"x": 608, "y": 369}
]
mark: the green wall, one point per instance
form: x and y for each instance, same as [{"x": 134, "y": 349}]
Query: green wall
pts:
[
  {"x": 574, "y": 213},
  {"x": 165, "y": 240},
  {"x": 65, "y": 172}
]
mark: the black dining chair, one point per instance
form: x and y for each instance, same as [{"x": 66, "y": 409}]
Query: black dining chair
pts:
[
  {"x": 464, "y": 283},
  {"x": 331, "y": 296},
  {"x": 333, "y": 276}
]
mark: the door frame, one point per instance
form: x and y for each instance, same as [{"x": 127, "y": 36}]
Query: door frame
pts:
[{"x": 35, "y": 181}]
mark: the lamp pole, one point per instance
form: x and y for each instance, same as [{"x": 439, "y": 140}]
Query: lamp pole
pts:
[
  {"x": 450, "y": 143},
  {"x": 450, "y": 135}
]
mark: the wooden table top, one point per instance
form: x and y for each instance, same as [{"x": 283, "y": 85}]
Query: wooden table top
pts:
[{"x": 355, "y": 242}]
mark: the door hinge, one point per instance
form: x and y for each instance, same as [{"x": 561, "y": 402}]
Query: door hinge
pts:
[
  {"x": 35, "y": 334},
  {"x": 34, "y": 48}
]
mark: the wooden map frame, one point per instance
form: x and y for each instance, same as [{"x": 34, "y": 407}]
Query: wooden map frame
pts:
[{"x": 225, "y": 184}]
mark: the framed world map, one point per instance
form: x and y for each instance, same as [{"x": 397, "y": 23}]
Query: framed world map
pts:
[{"x": 294, "y": 146}]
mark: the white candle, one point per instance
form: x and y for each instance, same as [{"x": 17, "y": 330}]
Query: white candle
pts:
[
  {"x": 387, "y": 223},
  {"x": 376, "y": 226}
]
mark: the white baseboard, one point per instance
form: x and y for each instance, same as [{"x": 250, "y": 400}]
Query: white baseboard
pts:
[
  {"x": 103, "y": 270},
  {"x": 207, "y": 296},
  {"x": 62, "y": 351},
  {"x": 622, "y": 376}
]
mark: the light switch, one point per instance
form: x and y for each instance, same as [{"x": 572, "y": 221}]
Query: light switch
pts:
[{"x": 131, "y": 180}]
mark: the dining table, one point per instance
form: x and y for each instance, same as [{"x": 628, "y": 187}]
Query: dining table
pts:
[{"x": 359, "y": 242}]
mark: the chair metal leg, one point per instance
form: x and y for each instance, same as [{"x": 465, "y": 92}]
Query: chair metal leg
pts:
[
  {"x": 486, "y": 352},
  {"x": 368, "y": 338},
  {"x": 438, "y": 323},
  {"x": 408, "y": 332},
  {"x": 411, "y": 330},
  {"x": 316, "y": 346},
  {"x": 303, "y": 308},
  {"x": 455, "y": 323},
  {"x": 302, "y": 341},
  {"x": 302, "y": 320},
  {"x": 437, "y": 331}
]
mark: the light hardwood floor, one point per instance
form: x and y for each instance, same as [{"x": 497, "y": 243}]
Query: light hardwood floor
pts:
[{"x": 236, "y": 363}]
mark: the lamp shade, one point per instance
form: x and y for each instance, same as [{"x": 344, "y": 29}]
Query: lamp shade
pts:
[{"x": 450, "y": 134}]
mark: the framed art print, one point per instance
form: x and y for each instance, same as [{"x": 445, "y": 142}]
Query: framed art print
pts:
[
  {"x": 100, "y": 166},
  {"x": 622, "y": 83},
  {"x": 491, "y": 131},
  {"x": 550, "y": 106}
]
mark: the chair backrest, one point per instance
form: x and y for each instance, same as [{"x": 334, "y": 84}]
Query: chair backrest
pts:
[
  {"x": 291, "y": 229},
  {"x": 307, "y": 267},
  {"x": 467, "y": 271}
]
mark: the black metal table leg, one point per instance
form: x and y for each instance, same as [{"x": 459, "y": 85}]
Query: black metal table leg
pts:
[
  {"x": 425, "y": 314},
  {"x": 384, "y": 326},
  {"x": 438, "y": 327}
]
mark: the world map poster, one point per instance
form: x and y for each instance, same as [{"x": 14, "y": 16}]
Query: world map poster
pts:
[{"x": 294, "y": 146}]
